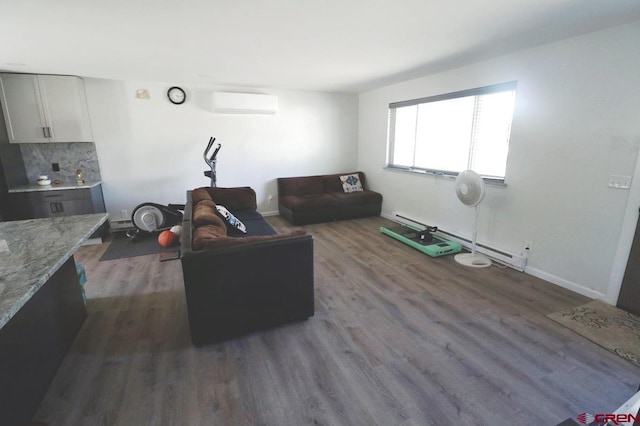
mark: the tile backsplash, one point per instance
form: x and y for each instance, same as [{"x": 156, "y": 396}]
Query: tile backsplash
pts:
[{"x": 38, "y": 158}]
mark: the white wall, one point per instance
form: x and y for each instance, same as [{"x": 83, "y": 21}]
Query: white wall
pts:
[
  {"x": 151, "y": 150},
  {"x": 577, "y": 121}
]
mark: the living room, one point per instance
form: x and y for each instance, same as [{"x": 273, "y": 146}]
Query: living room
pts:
[
  {"x": 574, "y": 126},
  {"x": 556, "y": 193}
]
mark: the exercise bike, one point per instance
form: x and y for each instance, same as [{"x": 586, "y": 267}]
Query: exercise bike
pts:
[
  {"x": 151, "y": 217},
  {"x": 211, "y": 161}
]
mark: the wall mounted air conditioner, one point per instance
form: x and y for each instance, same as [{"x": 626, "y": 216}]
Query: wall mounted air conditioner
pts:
[{"x": 244, "y": 103}]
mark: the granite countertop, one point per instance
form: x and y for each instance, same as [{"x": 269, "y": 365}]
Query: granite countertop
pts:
[
  {"x": 31, "y": 251},
  {"x": 53, "y": 187}
]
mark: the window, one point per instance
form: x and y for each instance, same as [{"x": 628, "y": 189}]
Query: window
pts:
[{"x": 449, "y": 133}]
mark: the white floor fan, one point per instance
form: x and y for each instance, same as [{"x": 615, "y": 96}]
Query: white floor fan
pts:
[{"x": 470, "y": 191}]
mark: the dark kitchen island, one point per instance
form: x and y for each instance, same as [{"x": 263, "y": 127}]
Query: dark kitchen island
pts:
[{"x": 41, "y": 306}]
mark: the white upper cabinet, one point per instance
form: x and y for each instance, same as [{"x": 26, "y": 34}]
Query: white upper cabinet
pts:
[{"x": 44, "y": 108}]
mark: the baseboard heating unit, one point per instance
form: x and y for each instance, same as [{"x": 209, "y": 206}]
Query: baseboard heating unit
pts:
[
  {"x": 120, "y": 225},
  {"x": 511, "y": 260}
]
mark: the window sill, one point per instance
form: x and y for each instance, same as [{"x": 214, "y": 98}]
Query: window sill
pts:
[{"x": 441, "y": 175}]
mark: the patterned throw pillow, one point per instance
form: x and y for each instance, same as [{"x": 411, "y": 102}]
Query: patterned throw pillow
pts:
[
  {"x": 231, "y": 219},
  {"x": 351, "y": 183}
]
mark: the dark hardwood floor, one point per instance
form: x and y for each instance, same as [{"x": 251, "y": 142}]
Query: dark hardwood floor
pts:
[{"x": 398, "y": 338}]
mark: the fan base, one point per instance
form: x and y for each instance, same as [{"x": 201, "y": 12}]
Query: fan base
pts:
[{"x": 473, "y": 260}]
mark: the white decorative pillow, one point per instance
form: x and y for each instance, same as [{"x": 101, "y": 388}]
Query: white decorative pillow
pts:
[
  {"x": 231, "y": 219},
  {"x": 351, "y": 183}
]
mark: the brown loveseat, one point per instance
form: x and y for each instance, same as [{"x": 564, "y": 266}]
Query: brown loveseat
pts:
[
  {"x": 313, "y": 199},
  {"x": 236, "y": 283}
]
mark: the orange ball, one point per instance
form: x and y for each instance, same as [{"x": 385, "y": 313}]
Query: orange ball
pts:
[{"x": 167, "y": 238}]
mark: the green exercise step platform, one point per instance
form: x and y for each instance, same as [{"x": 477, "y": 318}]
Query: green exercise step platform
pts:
[{"x": 434, "y": 247}]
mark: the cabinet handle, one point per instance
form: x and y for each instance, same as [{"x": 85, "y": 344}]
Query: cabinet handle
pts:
[{"x": 56, "y": 207}]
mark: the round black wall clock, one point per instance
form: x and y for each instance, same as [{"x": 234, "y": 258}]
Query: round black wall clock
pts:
[{"x": 176, "y": 95}]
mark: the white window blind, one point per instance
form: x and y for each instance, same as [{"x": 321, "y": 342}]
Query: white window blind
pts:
[{"x": 449, "y": 133}]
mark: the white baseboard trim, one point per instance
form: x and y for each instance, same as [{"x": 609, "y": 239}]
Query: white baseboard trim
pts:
[
  {"x": 120, "y": 224},
  {"x": 569, "y": 285},
  {"x": 272, "y": 213},
  {"x": 553, "y": 279},
  {"x": 391, "y": 217},
  {"x": 512, "y": 260}
]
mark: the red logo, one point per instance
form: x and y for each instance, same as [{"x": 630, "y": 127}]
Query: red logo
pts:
[
  {"x": 585, "y": 418},
  {"x": 616, "y": 419}
]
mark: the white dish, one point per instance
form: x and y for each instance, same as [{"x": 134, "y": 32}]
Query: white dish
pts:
[{"x": 44, "y": 182}]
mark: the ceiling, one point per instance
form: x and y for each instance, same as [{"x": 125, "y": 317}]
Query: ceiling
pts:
[{"x": 324, "y": 45}]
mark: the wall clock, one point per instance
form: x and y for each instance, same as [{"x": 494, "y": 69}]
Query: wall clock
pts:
[{"x": 176, "y": 95}]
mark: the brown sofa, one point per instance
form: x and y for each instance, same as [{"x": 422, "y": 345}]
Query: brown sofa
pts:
[
  {"x": 313, "y": 199},
  {"x": 237, "y": 283}
]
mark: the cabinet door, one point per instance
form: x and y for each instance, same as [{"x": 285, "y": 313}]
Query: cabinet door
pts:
[
  {"x": 22, "y": 108},
  {"x": 21, "y": 207},
  {"x": 49, "y": 204},
  {"x": 65, "y": 107},
  {"x": 74, "y": 207}
]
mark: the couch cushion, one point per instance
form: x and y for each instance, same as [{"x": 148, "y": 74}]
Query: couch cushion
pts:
[
  {"x": 255, "y": 223},
  {"x": 300, "y": 185},
  {"x": 351, "y": 183},
  {"x": 358, "y": 198},
  {"x": 207, "y": 238},
  {"x": 205, "y": 213},
  {"x": 231, "y": 220},
  {"x": 200, "y": 194},
  {"x": 332, "y": 183},
  {"x": 234, "y": 198},
  {"x": 309, "y": 202},
  {"x": 207, "y": 233}
]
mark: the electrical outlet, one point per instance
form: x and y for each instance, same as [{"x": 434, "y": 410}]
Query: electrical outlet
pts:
[
  {"x": 619, "y": 182},
  {"x": 124, "y": 214},
  {"x": 528, "y": 246},
  {"x": 270, "y": 198}
]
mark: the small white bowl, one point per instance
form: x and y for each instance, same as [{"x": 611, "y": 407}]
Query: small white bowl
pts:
[{"x": 44, "y": 182}]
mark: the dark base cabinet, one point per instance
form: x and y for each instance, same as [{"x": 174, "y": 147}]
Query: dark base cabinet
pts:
[
  {"x": 59, "y": 202},
  {"x": 629, "y": 298},
  {"x": 35, "y": 341}
]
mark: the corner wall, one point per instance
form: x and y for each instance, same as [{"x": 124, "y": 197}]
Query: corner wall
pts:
[
  {"x": 152, "y": 150},
  {"x": 576, "y": 123}
]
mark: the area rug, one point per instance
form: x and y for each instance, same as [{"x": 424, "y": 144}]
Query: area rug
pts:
[
  {"x": 616, "y": 330},
  {"x": 121, "y": 247}
]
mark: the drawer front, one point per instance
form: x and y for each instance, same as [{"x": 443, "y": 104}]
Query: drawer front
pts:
[
  {"x": 54, "y": 203},
  {"x": 55, "y": 208},
  {"x": 61, "y": 195}
]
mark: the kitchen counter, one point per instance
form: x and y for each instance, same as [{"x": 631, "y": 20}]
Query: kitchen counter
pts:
[
  {"x": 41, "y": 306},
  {"x": 31, "y": 251},
  {"x": 53, "y": 187}
]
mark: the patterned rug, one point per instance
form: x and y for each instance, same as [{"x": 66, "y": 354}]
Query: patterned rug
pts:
[{"x": 614, "y": 329}]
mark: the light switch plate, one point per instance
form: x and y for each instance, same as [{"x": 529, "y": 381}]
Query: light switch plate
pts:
[{"x": 619, "y": 182}]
